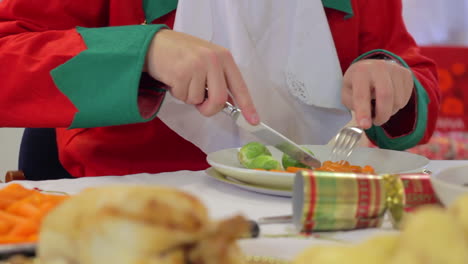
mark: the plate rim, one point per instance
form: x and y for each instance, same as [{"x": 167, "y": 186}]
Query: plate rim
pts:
[
  {"x": 436, "y": 178},
  {"x": 8, "y": 250},
  {"x": 284, "y": 179},
  {"x": 246, "y": 170},
  {"x": 215, "y": 174}
]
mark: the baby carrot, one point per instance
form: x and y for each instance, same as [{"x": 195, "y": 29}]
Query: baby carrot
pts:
[
  {"x": 295, "y": 169},
  {"x": 283, "y": 171}
]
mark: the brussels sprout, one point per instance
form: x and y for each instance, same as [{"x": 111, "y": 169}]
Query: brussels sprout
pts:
[
  {"x": 287, "y": 161},
  {"x": 250, "y": 151},
  {"x": 265, "y": 162}
]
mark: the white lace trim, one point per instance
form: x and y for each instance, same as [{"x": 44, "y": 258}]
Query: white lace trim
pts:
[{"x": 297, "y": 87}]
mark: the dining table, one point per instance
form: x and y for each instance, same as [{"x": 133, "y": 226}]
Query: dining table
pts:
[{"x": 276, "y": 241}]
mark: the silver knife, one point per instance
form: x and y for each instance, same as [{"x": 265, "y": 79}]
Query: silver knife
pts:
[
  {"x": 271, "y": 137},
  {"x": 280, "y": 219}
]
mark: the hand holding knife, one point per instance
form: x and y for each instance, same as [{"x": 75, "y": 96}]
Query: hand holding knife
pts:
[{"x": 271, "y": 137}]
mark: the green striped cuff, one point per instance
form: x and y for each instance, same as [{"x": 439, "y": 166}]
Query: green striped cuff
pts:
[
  {"x": 378, "y": 134},
  {"x": 103, "y": 80}
]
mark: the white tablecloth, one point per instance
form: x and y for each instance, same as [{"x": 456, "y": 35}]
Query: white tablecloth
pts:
[{"x": 224, "y": 200}]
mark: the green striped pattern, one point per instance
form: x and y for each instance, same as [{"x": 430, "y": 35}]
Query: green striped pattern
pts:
[{"x": 340, "y": 201}]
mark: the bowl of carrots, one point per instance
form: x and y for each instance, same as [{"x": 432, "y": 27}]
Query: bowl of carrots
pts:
[
  {"x": 278, "y": 174},
  {"x": 22, "y": 211}
]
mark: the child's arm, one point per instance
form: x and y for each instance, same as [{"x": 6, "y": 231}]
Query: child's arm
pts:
[
  {"x": 55, "y": 74},
  {"x": 383, "y": 33}
]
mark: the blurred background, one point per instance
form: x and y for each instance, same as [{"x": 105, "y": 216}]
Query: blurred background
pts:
[
  {"x": 437, "y": 22},
  {"x": 441, "y": 28}
]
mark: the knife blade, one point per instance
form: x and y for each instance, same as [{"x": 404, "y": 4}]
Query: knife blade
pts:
[{"x": 272, "y": 137}]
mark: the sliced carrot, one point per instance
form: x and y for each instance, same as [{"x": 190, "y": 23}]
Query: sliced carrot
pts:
[
  {"x": 330, "y": 169},
  {"x": 6, "y": 201},
  {"x": 35, "y": 198},
  {"x": 344, "y": 167},
  {"x": 12, "y": 239},
  {"x": 368, "y": 169},
  {"x": 295, "y": 169},
  {"x": 32, "y": 238},
  {"x": 5, "y": 227},
  {"x": 327, "y": 163},
  {"x": 355, "y": 168},
  {"x": 282, "y": 171},
  {"x": 25, "y": 228},
  {"x": 23, "y": 209},
  {"x": 15, "y": 190},
  {"x": 10, "y": 218},
  {"x": 14, "y": 187}
]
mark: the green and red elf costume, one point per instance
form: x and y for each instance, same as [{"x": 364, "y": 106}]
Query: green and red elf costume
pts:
[{"x": 77, "y": 66}]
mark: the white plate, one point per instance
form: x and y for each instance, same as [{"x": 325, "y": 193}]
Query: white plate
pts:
[
  {"x": 8, "y": 250},
  {"x": 384, "y": 161},
  {"x": 287, "y": 192},
  {"x": 449, "y": 184}
]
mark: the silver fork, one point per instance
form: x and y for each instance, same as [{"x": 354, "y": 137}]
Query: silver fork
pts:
[{"x": 345, "y": 142}]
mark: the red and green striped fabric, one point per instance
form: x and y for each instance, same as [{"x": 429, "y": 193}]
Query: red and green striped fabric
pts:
[{"x": 339, "y": 201}]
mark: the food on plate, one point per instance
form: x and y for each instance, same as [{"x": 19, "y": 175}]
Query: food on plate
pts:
[
  {"x": 250, "y": 151},
  {"x": 22, "y": 211},
  {"x": 331, "y": 166},
  {"x": 265, "y": 162},
  {"x": 345, "y": 167},
  {"x": 138, "y": 224},
  {"x": 287, "y": 161},
  {"x": 255, "y": 155},
  {"x": 430, "y": 235}
]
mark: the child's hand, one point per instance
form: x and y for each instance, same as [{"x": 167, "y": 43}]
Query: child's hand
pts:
[
  {"x": 188, "y": 65},
  {"x": 390, "y": 84}
]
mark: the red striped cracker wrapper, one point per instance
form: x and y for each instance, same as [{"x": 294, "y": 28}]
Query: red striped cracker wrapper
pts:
[
  {"x": 324, "y": 201},
  {"x": 418, "y": 190}
]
